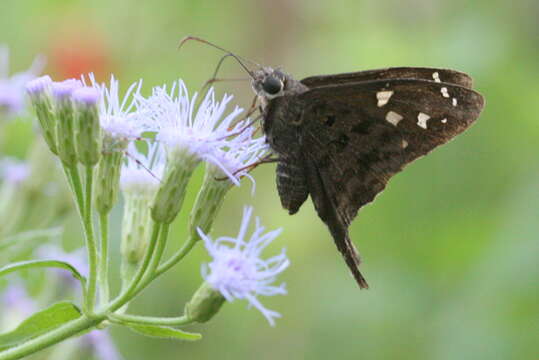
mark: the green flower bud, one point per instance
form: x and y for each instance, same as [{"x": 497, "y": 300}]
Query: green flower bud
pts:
[
  {"x": 136, "y": 230},
  {"x": 87, "y": 127},
  {"x": 65, "y": 136},
  {"x": 139, "y": 184},
  {"x": 208, "y": 201},
  {"x": 39, "y": 91},
  {"x": 169, "y": 199},
  {"x": 205, "y": 303},
  {"x": 108, "y": 174}
]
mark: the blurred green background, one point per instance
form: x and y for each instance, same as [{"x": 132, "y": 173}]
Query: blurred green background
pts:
[{"x": 450, "y": 248}]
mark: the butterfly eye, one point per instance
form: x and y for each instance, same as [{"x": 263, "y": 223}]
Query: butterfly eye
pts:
[{"x": 272, "y": 85}]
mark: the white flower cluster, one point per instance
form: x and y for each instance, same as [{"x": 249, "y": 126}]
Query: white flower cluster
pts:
[
  {"x": 170, "y": 121},
  {"x": 206, "y": 131}
]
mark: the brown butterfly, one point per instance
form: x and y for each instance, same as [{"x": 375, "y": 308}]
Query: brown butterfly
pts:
[{"x": 340, "y": 138}]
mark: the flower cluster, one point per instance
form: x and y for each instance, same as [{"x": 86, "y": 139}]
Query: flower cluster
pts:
[
  {"x": 147, "y": 148},
  {"x": 204, "y": 132}
]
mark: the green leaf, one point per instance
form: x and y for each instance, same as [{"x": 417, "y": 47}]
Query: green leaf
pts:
[
  {"x": 41, "y": 263},
  {"x": 40, "y": 323},
  {"x": 163, "y": 332}
]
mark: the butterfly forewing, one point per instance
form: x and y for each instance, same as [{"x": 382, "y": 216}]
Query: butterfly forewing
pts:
[
  {"x": 359, "y": 135},
  {"x": 436, "y": 75}
]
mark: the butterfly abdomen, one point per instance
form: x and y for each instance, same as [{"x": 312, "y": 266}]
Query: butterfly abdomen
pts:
[{"x": 291, "y": 185}]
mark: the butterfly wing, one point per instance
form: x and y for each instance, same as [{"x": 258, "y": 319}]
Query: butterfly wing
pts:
[
  {"x": 355, "y": 137},
  {"x": 437, "y": 75}
]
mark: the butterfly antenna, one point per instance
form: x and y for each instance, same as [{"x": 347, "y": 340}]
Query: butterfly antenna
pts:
[
  {"x": 239, "y": 59},
  {"x": 214, "y": 78}
]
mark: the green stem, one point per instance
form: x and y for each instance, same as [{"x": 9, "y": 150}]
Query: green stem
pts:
[
  {"x": 91, "y": 245},
  {"x": 131, "y": 290},
  {"x": 73, "y": 178},
  {"x": 52, "y": 337},
  {"x": 150, "y": 273},
  {"x": 161, "y": 244},
  {"x": 184, "y": 250},
  {"x": 103, "y": 268},
  {"x": 151, "y": 320}
]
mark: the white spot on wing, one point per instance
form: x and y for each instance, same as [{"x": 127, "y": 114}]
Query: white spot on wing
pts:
[
  {"x": 422, "y": 120},
  {"x": 383, "y": 97},
  {"x": 444, "y": 120},
  {"x": 436, "y": 76},
  {"x": 444, "y": 92},
  {"x": 393, "y": 118},
  {"x": 404, "y": 144},
  {"x": 454, "y": 101}
]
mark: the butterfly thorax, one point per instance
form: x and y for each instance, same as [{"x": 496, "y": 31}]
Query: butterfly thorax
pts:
[{"x": 274, "y": 89}]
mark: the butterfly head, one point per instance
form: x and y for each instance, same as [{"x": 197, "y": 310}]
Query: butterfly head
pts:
[{"x": 269, "y": 83}]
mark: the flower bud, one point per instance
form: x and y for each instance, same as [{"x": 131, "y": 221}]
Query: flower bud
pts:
[
  {"x": 65, "y": 116},
  {"x": 208, "y": 201},
  {"x": 139, "y": 183},
  {"x": 205, "y": 303},
  {"x": 39, "y": 92},
  {"x": 169, "y": 199},
  {"x": 136, "y": 231},
  {"x": 108, "y": 174},
  {"x": 87, "y": 127}
]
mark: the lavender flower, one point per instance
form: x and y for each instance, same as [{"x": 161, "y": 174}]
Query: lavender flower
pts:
[
  {"x": 235, "y": 161},
  {"x": 99, "y": 343},
  {"x": 87, "y": 96},
  {"x": 14, "y": 172},
  {"x": 15, "y": 298},
  {"x": 62, "y": 90},
  {"x": 119, "y": 116},
  {"x": 12, "y": 88},
  {"x": 238, "y": 272},
  {"x": 39, "y": 86},
  {"x": 198, "y": 132}
]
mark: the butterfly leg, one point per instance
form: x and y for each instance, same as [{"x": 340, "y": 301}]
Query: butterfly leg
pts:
[{"x": 266, "y": 160}]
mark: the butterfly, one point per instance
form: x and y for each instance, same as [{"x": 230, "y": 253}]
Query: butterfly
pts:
[{"x": 340, "y": 138}]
